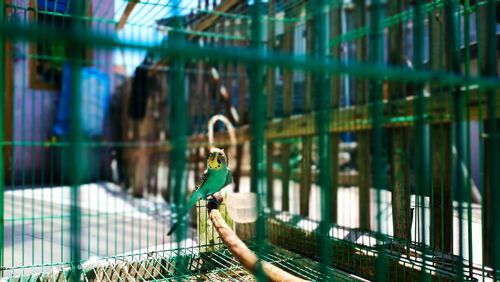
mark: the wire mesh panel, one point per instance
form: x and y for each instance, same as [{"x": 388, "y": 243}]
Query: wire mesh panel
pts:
[{"x": 365, "y": 134}]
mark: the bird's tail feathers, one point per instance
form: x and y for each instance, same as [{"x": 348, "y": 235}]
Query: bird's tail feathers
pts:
[
  {"x": 194, "y": 198},
  {"x": 185, "y": 212},
  {"x": 173, "y": 228}
]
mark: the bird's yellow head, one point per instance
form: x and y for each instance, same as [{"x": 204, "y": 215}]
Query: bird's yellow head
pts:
[{"x": 217, "y": 159}]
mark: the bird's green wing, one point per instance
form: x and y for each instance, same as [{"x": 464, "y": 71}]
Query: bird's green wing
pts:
[
  {"x": 229, "y": 178},
  {"x": 194, "y": 198},
  {"x": 202, "y": 180}
]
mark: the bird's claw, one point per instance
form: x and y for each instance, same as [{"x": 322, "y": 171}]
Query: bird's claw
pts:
[
  {"x": 213, "y": 202},
  {"x": 212, "y": 199}
]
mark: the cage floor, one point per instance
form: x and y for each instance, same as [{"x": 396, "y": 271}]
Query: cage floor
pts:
[{"x": 188, "y": 264}]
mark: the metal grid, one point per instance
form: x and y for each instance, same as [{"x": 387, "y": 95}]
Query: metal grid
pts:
[{"x": 189, "y": 265}]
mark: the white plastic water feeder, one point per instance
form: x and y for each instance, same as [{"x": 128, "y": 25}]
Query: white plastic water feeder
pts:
[{"x": 242, "y": 207}]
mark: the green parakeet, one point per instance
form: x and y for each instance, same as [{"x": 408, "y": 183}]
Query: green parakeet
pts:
[{"x": 216, "y": 177}]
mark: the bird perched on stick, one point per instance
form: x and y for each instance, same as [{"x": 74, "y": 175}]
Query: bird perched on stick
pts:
[{"x": 216, "y": 177}]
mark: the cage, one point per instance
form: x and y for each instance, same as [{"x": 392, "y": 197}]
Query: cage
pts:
[{"x": 367, "y": 130}]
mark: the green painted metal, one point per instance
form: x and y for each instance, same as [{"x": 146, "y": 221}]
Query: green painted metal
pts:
[
  {"x": 3, "y": 94},
  {"x": 178, "y": 119},
  {"x": 375, "y": 56},
  {"x": 75, "y": 152},
  {"x": 421, "y": 151},
  {"x": 319, "y": 13},
  {"x": 458, "y": 139},
  {"x": 249, "y": 57},
  {"x": 257, "y": 121}
]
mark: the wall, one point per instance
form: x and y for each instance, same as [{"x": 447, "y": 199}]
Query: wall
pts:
[{"x": 33, "y": 110}]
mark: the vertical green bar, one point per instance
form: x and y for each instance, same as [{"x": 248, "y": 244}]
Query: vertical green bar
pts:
[
  {"x": 178, "y": 120},
  {"x": 421, "y": 158},
  {"x": 318, "y": 12},
  {"x": 3, "y": 93},
  {"x": 452, "y": 24},
  {"x": 467, "y": 153},
  {"x": 375, "y": 55},
  {"x": 76, "y": 150},
  {"x": 257, "y": 126}
]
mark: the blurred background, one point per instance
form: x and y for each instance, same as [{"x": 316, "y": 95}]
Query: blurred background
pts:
[{"x": 366, "y": 130}]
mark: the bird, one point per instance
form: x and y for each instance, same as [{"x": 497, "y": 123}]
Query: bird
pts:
[{"x": 216, "y": 176}]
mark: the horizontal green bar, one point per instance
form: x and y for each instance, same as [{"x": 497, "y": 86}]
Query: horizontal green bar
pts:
[
  {"x": 47, "y": 217},
  {"x": 103, "y": 144},
  {"x": 250, "y": 57}
]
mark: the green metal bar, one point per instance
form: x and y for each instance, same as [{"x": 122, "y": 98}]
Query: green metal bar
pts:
[
  {"x": 3, "y": 94},
  {"x": 257, "y": 126},
  {"x": 467, "y": 163},
  {"x": 375, "y": 55},
  {"x": 249, "y": 57},
  {"x": 452, "y": 26},
  {"x": 319, "y": 14},
  {"x": 421, "y": 136},
  {"x": 75, "y": 150},
  {"x": 178, "y": 120}
]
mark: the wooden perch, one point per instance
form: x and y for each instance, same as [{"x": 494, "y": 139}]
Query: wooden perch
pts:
[{"x": 241, "y": 252}]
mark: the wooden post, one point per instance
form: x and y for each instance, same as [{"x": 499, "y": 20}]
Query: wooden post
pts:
[
  {"x": 207, "y": 93},
  {"x": 488, "y": 67},
  {"x": 363, "y": 154},
  {"x": 199, "y": 114},
  {"x": 287, "y": 47},
  {"x": 400, "y": 192},
  {"x": 9, "y": 96},
  {"x": 270, "y": 89},
  {"x": 3, "y": 137},
  {"x": 229, "y": 77},
  {"x": 306, "y": 179},
  {"x": 192, "y": 104},
  {"x": 220, "y": 68},
  {"x": 442, "y": 217},
  {"x": 228, "y": 85},
  {"x": 242, "y": 90}
]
